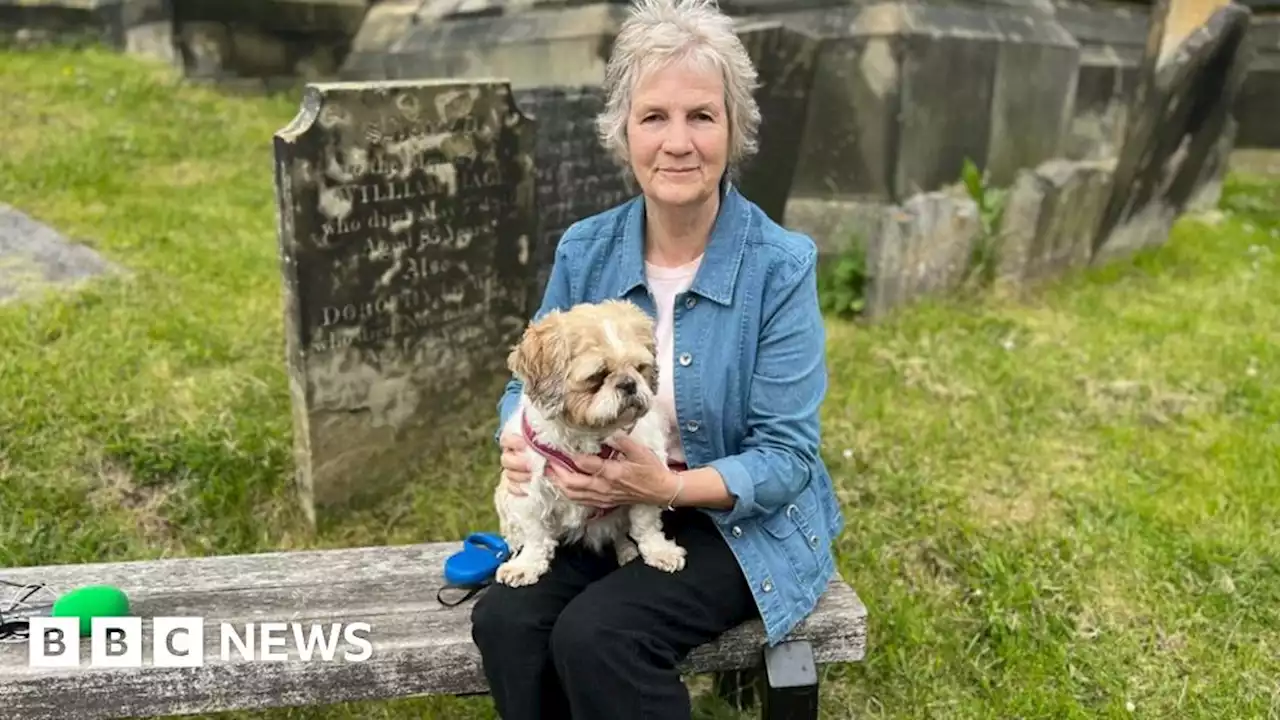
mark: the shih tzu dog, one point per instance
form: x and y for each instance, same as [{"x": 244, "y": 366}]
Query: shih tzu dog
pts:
[{"x": 587, "y": 372}]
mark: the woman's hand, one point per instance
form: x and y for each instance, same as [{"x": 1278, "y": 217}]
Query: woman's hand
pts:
[
  {"x": 515, "y": 464},
  {"x": 639, "y": 477}
]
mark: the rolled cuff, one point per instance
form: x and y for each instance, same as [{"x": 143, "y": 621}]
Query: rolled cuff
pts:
[{"x": 741, "y": 486}]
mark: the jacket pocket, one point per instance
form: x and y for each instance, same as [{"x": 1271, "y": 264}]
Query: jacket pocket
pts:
[{"x": 794, "y": 527}]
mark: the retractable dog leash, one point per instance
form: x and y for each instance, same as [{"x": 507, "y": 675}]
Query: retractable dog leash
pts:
[{"x": 473, "y": 568}]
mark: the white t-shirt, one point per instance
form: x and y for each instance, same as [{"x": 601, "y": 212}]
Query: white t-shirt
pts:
[{"x": 666, "y": 283}]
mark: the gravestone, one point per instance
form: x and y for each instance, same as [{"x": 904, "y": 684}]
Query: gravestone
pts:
[
  {"x": 576, "y": 176},
  {"x": 1195, "y": 61},
  {"x": 406, "y": 223},
  {"x": 784, "y": 58},
  {"x": 1051, "y": 217},
  {"x": 922, "y": 248}
]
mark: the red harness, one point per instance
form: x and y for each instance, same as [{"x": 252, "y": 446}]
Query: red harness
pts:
[
  {"x": 606, "y": 453},
  {"x": 550, "y": 453}
]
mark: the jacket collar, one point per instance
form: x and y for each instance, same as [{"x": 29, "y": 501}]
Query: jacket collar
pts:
[{"x": 718, "y": 272}]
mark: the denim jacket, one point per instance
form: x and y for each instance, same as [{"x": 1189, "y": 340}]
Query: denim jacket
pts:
[{"x": 750, "y": 375}]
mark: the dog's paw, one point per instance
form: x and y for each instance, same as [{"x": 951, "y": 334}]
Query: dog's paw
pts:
[
  {"x": 519, "y": 574},
  {"x": 664, "y": 555},
  {"x": 626, "y": 551}
]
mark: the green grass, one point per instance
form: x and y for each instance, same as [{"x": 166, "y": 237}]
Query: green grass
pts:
[{"x": 1058, "y": 505}]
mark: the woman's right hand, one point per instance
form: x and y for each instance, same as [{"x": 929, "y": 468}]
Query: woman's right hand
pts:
[{"x": 514, "y": 463}]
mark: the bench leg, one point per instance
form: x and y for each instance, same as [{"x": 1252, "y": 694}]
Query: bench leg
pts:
[
  {"x": 791, "y": 691},
  {"x": 737, "y": 688}
]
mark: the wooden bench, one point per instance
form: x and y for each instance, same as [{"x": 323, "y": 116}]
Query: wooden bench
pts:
[{"x": 419, "y": 647}]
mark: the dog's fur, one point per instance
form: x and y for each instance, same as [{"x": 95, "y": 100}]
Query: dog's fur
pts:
[{"x": 576, "y": 366}]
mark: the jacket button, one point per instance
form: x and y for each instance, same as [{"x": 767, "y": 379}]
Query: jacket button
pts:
[
  {"x": 813, "y": 541},
  {"x": 768, "y": 585},
  {"x": 690, "y": 302},
  {"x": 737, "y": 531},
  {"x": 692, "y": 426},
  {"x": 685, "y": 358}
]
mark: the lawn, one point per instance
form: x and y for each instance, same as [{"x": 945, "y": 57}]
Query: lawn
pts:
[{"x": 1060, "y": 505}]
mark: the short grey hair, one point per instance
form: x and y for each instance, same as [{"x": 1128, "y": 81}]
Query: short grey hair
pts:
[{"x": 662, "y": 31}]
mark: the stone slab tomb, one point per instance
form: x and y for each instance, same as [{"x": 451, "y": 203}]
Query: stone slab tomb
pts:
[
  {"x": 406, "y": 229},
  {"x": 142, "y": 27},
  {"x": 36, "y": 259},
  {"x": 784, "y": 58},
  {"x": 903, "y": 93},
  {"x": 529, "y": 44}
]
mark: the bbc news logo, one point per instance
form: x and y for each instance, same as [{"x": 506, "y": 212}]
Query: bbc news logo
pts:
[{"x": 55, "y": 642}]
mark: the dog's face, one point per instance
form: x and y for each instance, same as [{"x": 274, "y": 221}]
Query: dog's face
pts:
[{"x": 592, "y": 367}]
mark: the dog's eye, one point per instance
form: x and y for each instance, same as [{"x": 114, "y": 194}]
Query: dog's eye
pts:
[
  {"x": 645, "y": 370},
  {"x": 598, "y": 378}
]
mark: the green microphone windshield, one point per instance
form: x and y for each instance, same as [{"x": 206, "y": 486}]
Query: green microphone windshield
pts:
[{"x": 90, "y": 602}]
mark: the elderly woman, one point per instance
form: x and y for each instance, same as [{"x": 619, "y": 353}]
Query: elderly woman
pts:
[{"x": 741, "y": 348}]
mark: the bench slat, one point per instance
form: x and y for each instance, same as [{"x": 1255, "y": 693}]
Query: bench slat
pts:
[{"x": 419, "y": 646}]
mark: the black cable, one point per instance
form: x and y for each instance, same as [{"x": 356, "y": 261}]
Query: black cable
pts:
[{"x": 15, "y": 625}]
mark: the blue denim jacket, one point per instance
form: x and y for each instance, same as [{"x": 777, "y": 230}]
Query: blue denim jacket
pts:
[{"x": 750, "y": 375}]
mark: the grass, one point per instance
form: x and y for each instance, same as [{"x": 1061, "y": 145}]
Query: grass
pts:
[{"x": 1060, "y": 505}]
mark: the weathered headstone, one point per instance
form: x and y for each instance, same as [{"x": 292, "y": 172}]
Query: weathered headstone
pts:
[
  {"x": 406, "y": 223},
  {"x": 576, "y": 176},
  {"x": 1194, "y": 65},
  {"x": 1051, "y": 217},
  {"x": 922, "y": 248},
  {"x": 784, "y": 60},
  {"x": 35, "y": 258}
]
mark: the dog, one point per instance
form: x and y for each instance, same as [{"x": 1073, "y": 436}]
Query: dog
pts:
[{"x": 587, "y": 372}]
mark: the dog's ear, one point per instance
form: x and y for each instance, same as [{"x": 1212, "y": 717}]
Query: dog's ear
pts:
[{"x": 541, "y": 359}]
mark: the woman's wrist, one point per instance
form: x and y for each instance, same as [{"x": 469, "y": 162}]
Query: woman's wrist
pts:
[{"x": 702, "y": 487}]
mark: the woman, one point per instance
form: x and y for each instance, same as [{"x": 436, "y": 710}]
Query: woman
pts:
[{"x": 742, "y": 365}]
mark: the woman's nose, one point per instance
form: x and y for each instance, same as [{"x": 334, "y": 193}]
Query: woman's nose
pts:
[{"x": 677, "y": 139}]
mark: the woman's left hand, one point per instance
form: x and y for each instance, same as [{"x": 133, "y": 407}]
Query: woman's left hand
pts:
[{"x": 638, "y": 477}]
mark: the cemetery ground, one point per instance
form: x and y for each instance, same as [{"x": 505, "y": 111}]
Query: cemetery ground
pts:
[{"x": 1059, "y": 505}]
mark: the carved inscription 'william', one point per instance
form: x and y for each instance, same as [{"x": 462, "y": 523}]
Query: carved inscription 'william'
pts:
[{"x": 406, "y": 222}]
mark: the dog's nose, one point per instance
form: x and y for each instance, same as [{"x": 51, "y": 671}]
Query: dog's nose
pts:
[{"x": 627, "y": 385}]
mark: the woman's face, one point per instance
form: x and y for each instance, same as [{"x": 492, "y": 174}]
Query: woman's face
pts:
[{"x": 678, "y": 135}]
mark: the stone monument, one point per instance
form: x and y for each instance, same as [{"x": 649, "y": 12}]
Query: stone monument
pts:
[{"x": 406, "y": 227}]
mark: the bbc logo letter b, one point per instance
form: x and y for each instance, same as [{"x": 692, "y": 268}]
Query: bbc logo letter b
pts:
[
  {"x": 54, "y": 642},
  {"x": 116, "y": 642}
]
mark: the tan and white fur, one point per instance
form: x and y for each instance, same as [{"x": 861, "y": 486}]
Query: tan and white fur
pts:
[{"x": 587, "y": 372}]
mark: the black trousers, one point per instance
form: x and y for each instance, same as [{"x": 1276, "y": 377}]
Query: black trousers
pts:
[{"x": 594, "y": 641}]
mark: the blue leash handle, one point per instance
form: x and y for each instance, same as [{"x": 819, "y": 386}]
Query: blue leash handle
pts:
[{"x": 473, "y": 567}]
